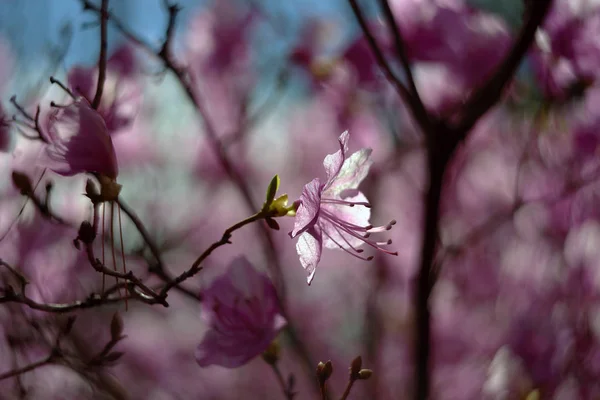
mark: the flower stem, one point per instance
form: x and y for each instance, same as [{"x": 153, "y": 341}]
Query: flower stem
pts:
[
  {"x": 286, "y": 392},
  {"x": 348, "y": 388},
  {"x": 102, "y": 57},
  {"x": 195, "y": 268}
]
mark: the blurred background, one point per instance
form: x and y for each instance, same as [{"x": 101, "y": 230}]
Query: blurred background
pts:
[{"x": 515, "y": 310}]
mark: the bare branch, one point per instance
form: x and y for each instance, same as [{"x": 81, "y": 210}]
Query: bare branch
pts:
[{"x": 103, "y": 56}]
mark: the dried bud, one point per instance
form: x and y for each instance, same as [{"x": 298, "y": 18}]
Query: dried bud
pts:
[
  {"x": 365, "y": 374},
  {"x": 22, "y": 182},
  {"x": 355, "y": 367},
  {"x": 86, "y": 233},
  {"x": 271, "y": 354},
  {"x": 116, "y": 326},
  {"x": 109, "y": 188},
  {"x": 91, "y": 191},
  {"x": 324, "y": 371}
]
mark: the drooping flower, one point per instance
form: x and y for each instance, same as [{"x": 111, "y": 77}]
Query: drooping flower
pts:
[
  {"x": 335, "y": 213},
  {"x": 79, "y": 142},
  {"x": 242, "y": 311}
]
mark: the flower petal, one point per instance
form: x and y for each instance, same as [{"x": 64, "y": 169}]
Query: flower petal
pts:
[
  {"x": 242, "y": 310},
  {"x": 309, "y": 248},
  {"x": 351, "y": 174},
  {"x": 80, "y": 142},
  {"x": 333, "y": 162},
  {"x": 308, "y": 211},
  {"x": 358, "y": 215}
]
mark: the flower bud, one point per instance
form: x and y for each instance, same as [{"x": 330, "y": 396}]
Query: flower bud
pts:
[
  {"x": 365, "y": 374},
  {"x": 355, "y": 367},
  {"x": 324, "y": 371},
  {"x": 271, "y": 354}
]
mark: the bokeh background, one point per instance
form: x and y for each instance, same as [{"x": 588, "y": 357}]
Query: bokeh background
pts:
[{"x": 515, "y": 311}]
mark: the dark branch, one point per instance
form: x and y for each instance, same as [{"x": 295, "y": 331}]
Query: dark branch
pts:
[
  {"x": 102, "y": 57},
  {"x": 418, "y": 111},
  {"x": 419, "y": 108},
  {"x": 489, "y": 94}
]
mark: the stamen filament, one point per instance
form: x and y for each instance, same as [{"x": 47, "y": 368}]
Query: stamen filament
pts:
[
  {"x": 346, "y": 250},
  {"x": 346, "y": 240},
  {"x": 103, "y": 230},
  {"x": 351, "y": 229},
  {"x": 112, "y": 242},
  {"x": 346, "y": 203},
  {"x": 329, "y": 216},
  {"x": 122, "y": 251}
]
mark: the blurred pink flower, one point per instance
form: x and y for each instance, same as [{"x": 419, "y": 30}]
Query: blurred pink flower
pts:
[
  {"x": 336, "y": 210},
  {"x": 79, "y": 142},
  {"x": 122, "y": 96},
  {"x": 566, "y": 52},
  {"x": 242, "y": 310},
  {"x": 469, "y": 42}
]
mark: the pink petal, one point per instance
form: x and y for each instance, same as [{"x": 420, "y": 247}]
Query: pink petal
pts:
[
  {"x": 242, "y": 310},
  {"x": 357, "y": 215},
  {"x": 351, "y": 173},
  {"x": 80, "y": 142},
  {"x": 81, "y": 81},
  {"x": 308, "y": 211},
  {"x": 309, "y": 248},
  {"x": 333, "y": 162}
]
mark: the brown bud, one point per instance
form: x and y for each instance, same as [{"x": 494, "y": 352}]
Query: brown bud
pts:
[
  {"x": 365, "y": 374},
  {"x": 116, "y": 326},
  {"x": 324, "y": 371},
  {"x": 271, "y": 354},
  {"x": 22, "y": 182},
  {"x": 355, "y": 367},
  {"x": 91, "y": 191},
  {"x": 272, "y": 223}
]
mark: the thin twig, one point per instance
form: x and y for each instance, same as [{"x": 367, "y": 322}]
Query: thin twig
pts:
[
  {"x": 225, "y": 239},
  {"x": 286, "y": 392},
  {"x": 19, "y": 371},
  {"x": 348, "y": 389},
  {"x": 420, "y": 114},
  {"x": 102, "y": 57},
  {"x": 159, "y": 267},
  {"x": 401, "y": 51},
  {"x": 489, "y": 94}
]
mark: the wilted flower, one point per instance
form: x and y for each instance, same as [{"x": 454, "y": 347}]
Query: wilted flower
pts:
[
  {"x": 336, "y": 213},
  {"x": 242, "y": 310},
  {"x": 79, "y": 142}
]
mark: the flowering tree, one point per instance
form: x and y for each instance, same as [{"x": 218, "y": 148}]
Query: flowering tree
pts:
[{"x": 146, "y": 249}]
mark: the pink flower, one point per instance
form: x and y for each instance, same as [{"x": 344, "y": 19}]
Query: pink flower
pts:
[
  {"x": 79, "y": 142},
  {"x": 336, "y": 213},
  {"x": 242, "y": 310}
]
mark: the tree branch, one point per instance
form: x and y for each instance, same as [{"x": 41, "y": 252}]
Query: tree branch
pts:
[
  {"x": 489, "y": 94},
  {"x": 102, "y": 57}
]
